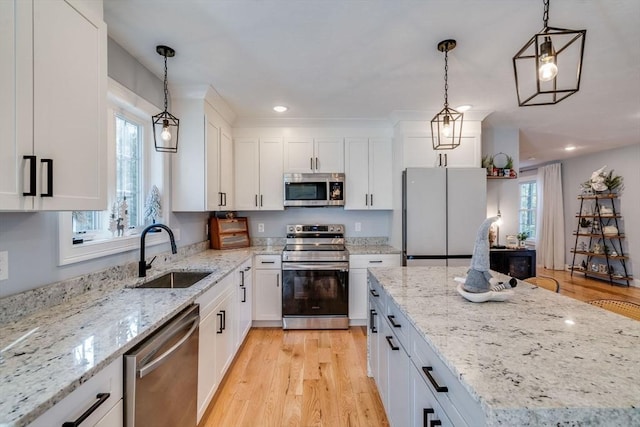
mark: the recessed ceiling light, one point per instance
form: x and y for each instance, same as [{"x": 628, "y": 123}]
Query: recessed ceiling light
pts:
[
  {"x": 569, "y": 148},
  {"x": 463, "y": 108},
  {"x": 280, "y": 108}
]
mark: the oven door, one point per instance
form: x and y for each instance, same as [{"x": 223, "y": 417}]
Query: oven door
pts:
[{"x": 315, "y": 288}]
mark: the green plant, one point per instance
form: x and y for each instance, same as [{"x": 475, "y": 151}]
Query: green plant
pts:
[
  {"x": 601, "y": 181},
  {"x": 487, "y": 162},
  {"x": 613, "y": 183},
  {"x": 509, "y": 164},
  {"x": 585, "y": 223},
  {"x": 522, "y": 236}
]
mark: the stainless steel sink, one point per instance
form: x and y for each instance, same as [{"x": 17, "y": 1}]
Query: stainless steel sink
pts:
[{"x": 176, "y": 279}]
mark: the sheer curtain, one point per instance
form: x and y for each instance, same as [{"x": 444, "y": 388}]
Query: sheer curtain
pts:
[{"x": 550, "y": 234}]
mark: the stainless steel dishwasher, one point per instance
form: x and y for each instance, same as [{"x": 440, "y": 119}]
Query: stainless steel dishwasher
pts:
[{"x": 161, "y": 375}]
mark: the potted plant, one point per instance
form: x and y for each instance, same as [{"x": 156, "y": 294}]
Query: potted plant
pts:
[
  {"x": 603, "y": 181},
  {"x": 509, "y": 166},
  {"x": 522, "y": 236},
  {"x": 585, "y": 225},
  {"x": 487, "y": 163}
]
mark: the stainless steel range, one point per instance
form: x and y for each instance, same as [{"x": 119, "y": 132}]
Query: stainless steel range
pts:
[{"x": 315, "y": 278}]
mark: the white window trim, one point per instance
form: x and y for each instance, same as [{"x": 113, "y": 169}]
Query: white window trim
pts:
[
  {"x": 119, "y": 97},
  {"x": 531, "y": 240}
]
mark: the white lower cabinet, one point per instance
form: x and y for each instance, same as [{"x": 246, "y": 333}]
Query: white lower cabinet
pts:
[
  {"x": 244, "y": 298},
  {"x": 267, "y": 305},
  {"x": 100, "y": 399},
  {"x": 216, "y": 339},
  {"x": 358, "y": 291},
  {"x": 416, "y": 387}
]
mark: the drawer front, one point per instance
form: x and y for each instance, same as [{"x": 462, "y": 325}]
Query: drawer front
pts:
[
  {"x": 455, "y": 400},
  {"x": 366, "y": 261},
  {"x": 399, "y": 323},
  {"x": 109, "y": 380},
  {"x": 268, "y": 262},
  {"x": 425, "y": 409},
  {"x": 377, "y": 294}
]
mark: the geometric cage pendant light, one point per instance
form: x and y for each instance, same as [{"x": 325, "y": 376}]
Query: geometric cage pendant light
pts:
[
  {"x": 548, "y": 67},
  {"x": 446, "y": 126},
  {"x": 165, "y": 124}
]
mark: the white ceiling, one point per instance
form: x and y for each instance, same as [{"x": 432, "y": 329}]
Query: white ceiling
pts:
[{"x": 371, "y": 58}]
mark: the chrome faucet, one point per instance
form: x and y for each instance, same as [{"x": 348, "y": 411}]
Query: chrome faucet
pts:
[{"x": 142, "y": 264}]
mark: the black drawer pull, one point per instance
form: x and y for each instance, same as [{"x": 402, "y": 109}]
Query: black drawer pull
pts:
[
  {"x": 435, "y": 422},
  {"x": 102, "y": 397},
  {"x": 219, "y": 331},
  {"x": 372, "y": 322},
  {"x": 391, "y": 318},
  {"x": 374, "y": 293},
  {"x": 267, "y": 262},
  {"x": 32, "y": 175},
  {"x": 425, "y": 416},
  {"x": 439, "y": 388},
  {"x": 393, "y": 347},
  {"x": 379, "y": 261},
  {"x": 244, "y": 294},
  {"x": 49, "y": 163}
]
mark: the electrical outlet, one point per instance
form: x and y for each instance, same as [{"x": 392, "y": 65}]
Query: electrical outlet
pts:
[
  {"x": 4, "y": 265},
  {"x": 260, "y": 228},
  {"x": 358, "y": 226}
]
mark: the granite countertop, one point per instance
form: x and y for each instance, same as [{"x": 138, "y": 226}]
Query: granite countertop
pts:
[
  {"x": 537, "y": 359},
  {"x": 48, "y": 354}
]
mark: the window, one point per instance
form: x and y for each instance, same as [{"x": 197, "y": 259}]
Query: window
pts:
[
  {"x": 133, "y": 169},
  {"x": 528, "y": 208}
]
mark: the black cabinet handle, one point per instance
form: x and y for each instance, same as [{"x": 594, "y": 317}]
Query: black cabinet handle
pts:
[
  {"x": 32, "y": 175},
  {"x": 102, "y": 397},
  {"x": 256, "y": 201},
  {"x": 366, "y": 200},
  {"x": 267, "y": 262},
  {"x": 393, "y": 347},
  {"x": 375, "y": 261},
  {"x": 439, "y": 388},
  {"x": 277, "y": 280},
  {"x": 248, "y": 268},
  {"x": 49, "y": 163},
  {"x": 374, "y": 293},
  {"x": 316, "y": 163},
  {"x": 244, "y": 294},
  {"x": 435, "y": 422},
  {"x": 372, "y": 322},
  {"x": 425, "y": 416},
  {"x": 224, "y": 319},
  {"x": 242, "y": 279},
  {"x": 219, "y": 331},
  {"x": 219, "y": 198},
  {"x": 446, "y": 161},
  {"x": 391, "y": 318},
  {"x": 371, "y": 198},
  {"x": 261, "y": 201},
  {"x": 311, "y": 163}
]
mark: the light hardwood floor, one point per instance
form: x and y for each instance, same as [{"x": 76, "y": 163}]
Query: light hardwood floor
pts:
[
  {"x": 299, "y": 378},
  {"x": 319, "y": 378}
]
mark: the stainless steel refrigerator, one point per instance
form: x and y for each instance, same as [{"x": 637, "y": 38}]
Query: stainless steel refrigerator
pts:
[{"x": 442, "y": 211}]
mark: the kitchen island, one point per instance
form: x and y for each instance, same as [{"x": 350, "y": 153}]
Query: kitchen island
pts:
[{"x": 537, "y": 359}]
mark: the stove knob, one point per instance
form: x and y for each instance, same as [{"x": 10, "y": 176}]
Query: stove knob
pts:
[
  {"x": 290, "y": 229},
  {"x": 298, "y": 228},
  {"x": 331, "y": 229}
]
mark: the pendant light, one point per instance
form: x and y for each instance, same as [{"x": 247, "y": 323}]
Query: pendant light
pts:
[
  {"x": 543, "y": 76},
  {"x": 446, "y": 126},
  {"x": 165, "y": 124}
]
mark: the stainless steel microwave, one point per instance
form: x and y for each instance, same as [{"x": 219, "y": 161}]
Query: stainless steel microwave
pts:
[{"x": 314, "y": 189}]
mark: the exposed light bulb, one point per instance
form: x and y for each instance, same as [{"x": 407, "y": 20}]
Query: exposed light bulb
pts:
[
  {"x": 165, "y": 134},
  {"x": 548, "y": 69},
  {"x": 446, "y": 126}
]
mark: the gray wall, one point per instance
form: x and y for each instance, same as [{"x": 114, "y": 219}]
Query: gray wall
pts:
[
  {"x": 31, "y": 239},
  {"x": 624, "y": 161}
]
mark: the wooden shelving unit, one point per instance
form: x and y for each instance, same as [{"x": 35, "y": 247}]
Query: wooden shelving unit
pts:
[{"x": 602, "y": 253}]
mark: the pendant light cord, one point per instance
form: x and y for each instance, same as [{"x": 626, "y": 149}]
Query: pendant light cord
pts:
[
  {"x": 545, "y": 16},
  {"x": 446, "y": 79},
  {"x": 166, "y": 90}
]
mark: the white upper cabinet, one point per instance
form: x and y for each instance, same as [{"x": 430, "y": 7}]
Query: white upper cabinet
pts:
[
  {"x": 368, "y": 174},
  {"x": 313, "y": 155},
  {"x": 202, "y": 169},
  {"x": 259, "y": 169},
  {"x": 419, "y": 152},
  {"x": 53, "y": 78}
]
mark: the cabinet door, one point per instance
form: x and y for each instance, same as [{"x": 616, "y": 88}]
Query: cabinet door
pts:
[
  {"x": 213, "y": 198},
  {"x": 226, "y": 170},
  {"x": 329, "y": 155},
  {"x": 247, "y": 173},
  {"x": 271, "y": 171},
  {"x": 268, "y": 295},
  {"x": 357, "y": 173},
  {"x": 373, "y": 333},
  {"x": 418, "y": 152},
  {"x": 244, "y": 302},
  {"x": 225, "y": 335},
  {"x": 358, "y": 292},
  {"x": 207, "y": 361},
  {"x": 299, "y": 155},
  {"x": 380, "y": 173},
  {"x": 399, "y": 408},
  {"x": 69, "y": 106},
  {"x": 15, "y": 69}
]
